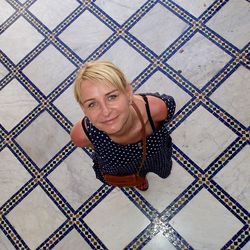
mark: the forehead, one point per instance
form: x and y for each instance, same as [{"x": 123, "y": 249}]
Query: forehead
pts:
[{"x": 94, "y": 89}]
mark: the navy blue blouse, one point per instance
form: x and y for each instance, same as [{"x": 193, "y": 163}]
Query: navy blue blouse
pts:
[{"x": 117, "y": 159}]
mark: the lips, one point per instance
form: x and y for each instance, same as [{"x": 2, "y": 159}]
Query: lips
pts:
[{"x": 109, "y": 120}]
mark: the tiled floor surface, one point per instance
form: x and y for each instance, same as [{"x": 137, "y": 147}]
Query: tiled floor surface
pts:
[{"x": 196, "y": 51}]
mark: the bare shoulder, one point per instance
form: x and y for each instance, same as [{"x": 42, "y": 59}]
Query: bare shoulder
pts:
[
  {"x": 158, "y": 108},
  {"x": 78, "y": 136}
]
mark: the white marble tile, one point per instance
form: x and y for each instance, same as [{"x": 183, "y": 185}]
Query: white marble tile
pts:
[
  {"x": 168, "y": 188},
  {"x": 11, "y": 41},
  {"x": 12, "y": 175},
  {"x": 158, "y": 82},
  {"x": 84, "y": 38},
  {"x": 126, "y": 58},
  {"x": 48, "y": 69},
  {"x": 73, "y": 240},
  {"x": 232, "y": 22},
  {"x": 116, "y": 220},
  {"x": 202, "y": 137},
  {"x": 75, "y": 178},
  {"x": 235, "y": 177},
  {"x": 43, "y": 139},
  {"x": 199, "y": 60},
  {"x": 6, "y": 10},
  {"x": 205, "y": 223},
  {"x": 51, "y": 13},
  {"x": 5, "y": 244},
  {"x": 120, "y": 10},
  {"x": 159, "y": 242},
  {"x": 168, "y": 26},
  {"x": 195, "y": 7},
  {"x": 15, "y": 104},
  {"x": 67, "y": 104},
  {"x": 233, "y": 95},
  {"x": 247, "y": 246},
  {"x": 35, "y": 218}
]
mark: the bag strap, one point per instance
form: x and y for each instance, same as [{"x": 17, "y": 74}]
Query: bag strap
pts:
[{"x": 144, "y": 139}]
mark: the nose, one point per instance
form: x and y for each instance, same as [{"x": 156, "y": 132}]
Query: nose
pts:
[{"x": 105, "y": 110}]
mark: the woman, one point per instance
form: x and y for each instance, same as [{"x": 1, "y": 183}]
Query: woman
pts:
[{"x": 114, "y": 124}]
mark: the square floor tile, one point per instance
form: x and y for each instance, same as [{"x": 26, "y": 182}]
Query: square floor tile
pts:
[
  {"x": 205, "y": 223},
  {"x": 75, "y": 179},
  {"x": 199, "y": 60},
  {"x": 6, "y": 10},
  {"x": 233, "y": 95},
  {"x": 17, "y": 33},
  {"x": 12, "y": 175},
  {"x": 35, "y": 218},
  {"x": 67, "y": 104},
  {"x": 126, "y": 58},
  {"x": 51, "y": 13},
  {"x": 232, "y": 22},
  {"x": 158, "y": 82},
  {"x": 49, "y": 69},
  {"x": 160, "y": 23},
  {"x": 234, "y": 178},
  {"x": 43, "y": 139},
  {"x": 169, "y": 188},
  {"x": 202, "y": 137},
  {"x": 116, "y": 217},
  {"x": 120, "y": 10},
  {"x": 15, "y": 103},
  {"x": 83, "y": 38},
  {"x": 195, "y": 7}
]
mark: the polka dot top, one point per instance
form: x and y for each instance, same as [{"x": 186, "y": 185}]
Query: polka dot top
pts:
[{"x": 118, "y": 159}]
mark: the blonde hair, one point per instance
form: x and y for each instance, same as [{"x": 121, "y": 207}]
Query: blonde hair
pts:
[{"x": 99, "y": 71}]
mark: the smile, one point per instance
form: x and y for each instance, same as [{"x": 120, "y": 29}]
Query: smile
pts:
[{"x": 109, "y": 121}]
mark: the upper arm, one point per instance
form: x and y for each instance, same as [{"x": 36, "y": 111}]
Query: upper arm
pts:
[
  {"x": 78, "y": 136},
  {"x": 158, "y": 108}
]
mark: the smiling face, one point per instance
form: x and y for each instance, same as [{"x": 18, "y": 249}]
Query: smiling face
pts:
[{"x": 107, "y": 107}]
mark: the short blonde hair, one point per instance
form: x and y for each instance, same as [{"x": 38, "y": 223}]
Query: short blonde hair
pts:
[{"x": 99, "y": 71}]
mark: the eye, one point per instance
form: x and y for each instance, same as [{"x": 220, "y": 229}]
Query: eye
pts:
[
  {"x": 91, "y": 105},
  {"x": 112, "y": 97}
]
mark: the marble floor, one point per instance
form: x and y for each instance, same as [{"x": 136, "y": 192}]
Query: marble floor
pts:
[{"x": 198, "y": 51}]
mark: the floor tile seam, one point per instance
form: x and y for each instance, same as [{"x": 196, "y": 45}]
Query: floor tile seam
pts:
[
  {"x": 54, "y": 238},
  {"x": 18, "y": 197},
  {"x": 26, "y": 121},
  {"x": 141, "y": 203},
  {"x": 186, "y": 162},
  {"x": 224, "y": 117},
  {"x": 139, "y": 14},
  {"x": 176, "y": 239},
  {"x": 142, "y": 238},
  {"x": 238, "y": 240},
  {"x": 23, "y": 158},
  {"x": 10, "y": 232},
  {"x": 213, "y": 9},
  {"x": 181, "y": 201},
  {"x": 224, "y": 158},
  {"x": 221, "y": 76},
  {"x": 219, "y": 41},
  {"x": 178, "y": 11},
  {"x": 57, "y": 159},
  {"x": 227, "y": 201},
  {"x": 93, "y": 201}
]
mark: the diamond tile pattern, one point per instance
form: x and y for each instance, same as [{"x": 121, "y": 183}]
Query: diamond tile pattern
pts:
[{"x": 198, "y": 51}]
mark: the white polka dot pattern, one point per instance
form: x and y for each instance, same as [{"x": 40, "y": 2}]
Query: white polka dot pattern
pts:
[{"x": 115, "y": 159}]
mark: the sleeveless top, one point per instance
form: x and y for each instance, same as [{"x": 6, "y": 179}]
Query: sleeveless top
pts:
[{"x": 118, "y": 159}]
